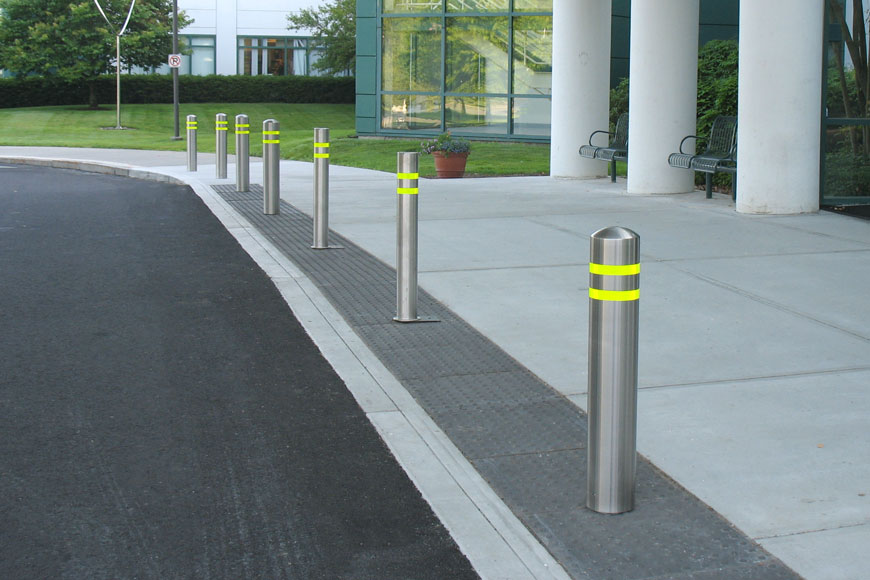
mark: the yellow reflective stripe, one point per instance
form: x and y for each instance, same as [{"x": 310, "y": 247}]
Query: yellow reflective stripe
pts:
[
  {"x": 220, "y": 128},
  {"x": 271, "y": 140},
  {"x": 614, "y": 295},
  {"x": 408, "y": 175},
  {"x": 321, "y": 144},
  {"x": 242, "y": 132},
  {"x": 321, "y": 155},
  {"x": 191, "y": 125},
  {"x": 407, "y": 190},
  {"x": 604, "y": 270},
  {"x": 271, "y": 132},
  {"x": 242, "y": 125}
]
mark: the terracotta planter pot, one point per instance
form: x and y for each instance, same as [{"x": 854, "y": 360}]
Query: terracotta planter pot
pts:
[{"x": 452, "y": 165}]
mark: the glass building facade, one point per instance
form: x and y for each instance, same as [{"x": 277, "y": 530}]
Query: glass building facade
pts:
[{"x": 477, "y": 67}]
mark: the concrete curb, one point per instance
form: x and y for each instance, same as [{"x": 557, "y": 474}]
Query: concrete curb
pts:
[{"x": 103, "y": 167}]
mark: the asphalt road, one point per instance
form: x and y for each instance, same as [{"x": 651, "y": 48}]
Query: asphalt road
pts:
[{"x": 164, "y": 415}]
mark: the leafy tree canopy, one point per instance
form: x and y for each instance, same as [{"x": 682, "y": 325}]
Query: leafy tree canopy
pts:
[
  {"x": 73, "y": 41},
  {"x": 334, "y": 27}
]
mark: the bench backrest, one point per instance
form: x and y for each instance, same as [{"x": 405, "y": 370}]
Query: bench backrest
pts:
[
  {"x": 620, "y": 135},
  {"x": 723, "y": 137}
]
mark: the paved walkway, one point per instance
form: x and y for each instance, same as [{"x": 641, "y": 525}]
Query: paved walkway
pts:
[{"x": 754, "y": 364}]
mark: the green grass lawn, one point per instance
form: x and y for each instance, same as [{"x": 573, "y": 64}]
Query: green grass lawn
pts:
[{"x": 151, "y": 127}]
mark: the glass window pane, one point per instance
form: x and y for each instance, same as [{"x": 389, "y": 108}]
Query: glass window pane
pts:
[
  {"x": 298, "y": 63},
  {"x": 411, "y": 52},
  {"x": 531, "y": 117},
  {"x": 202, "y": 61},
  {"x": 411, "y": 6},
  {"x": 410, "y": 112},
  {"x": 847, "y": 172},
  {"x": 533, "y": 5},
  {"x": 477, "y": 59},
  {"x": 477, "y": 5},
  {"x": 202, "y": 40},
  {"x": 533, "y": 55},
  {"x": 484, "y": 115},
  {"x": 275, "y": 62}
]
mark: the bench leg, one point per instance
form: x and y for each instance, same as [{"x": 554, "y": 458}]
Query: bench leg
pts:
[
  {"x": 709, "y": 181},
  {"x": 734, "y": 186},
  {"x": 613, "y": 170}
]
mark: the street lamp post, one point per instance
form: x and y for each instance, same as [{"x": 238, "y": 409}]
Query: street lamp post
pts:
[{"x": 175, "y": 136}]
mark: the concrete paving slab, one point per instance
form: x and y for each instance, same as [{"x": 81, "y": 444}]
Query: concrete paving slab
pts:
[
  {"x": 825, "y": 555},
  {"x": 827, "y": 287},
  {"x": 776, "y": 457}
]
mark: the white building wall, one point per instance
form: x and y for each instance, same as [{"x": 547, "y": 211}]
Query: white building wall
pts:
[{"x": 226, "y": 20}]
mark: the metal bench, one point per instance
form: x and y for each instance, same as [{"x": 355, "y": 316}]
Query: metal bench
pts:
[
  {"x": 615, "y": 150},
  {"x": 719, "y": 157}
]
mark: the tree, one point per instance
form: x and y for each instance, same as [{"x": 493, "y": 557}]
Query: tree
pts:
[
  {"x": 334, "y": 27},
  {"x": 73, "y": 41}
]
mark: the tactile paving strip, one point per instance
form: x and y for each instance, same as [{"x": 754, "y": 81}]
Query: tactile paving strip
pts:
[{"x": 525, "y": 438}]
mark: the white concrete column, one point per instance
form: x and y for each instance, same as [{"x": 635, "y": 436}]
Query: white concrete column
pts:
[
  {"x": 779, "y": 104},
  {"x": 581, "y": 84},
  {"x": 663, "y": 96}
]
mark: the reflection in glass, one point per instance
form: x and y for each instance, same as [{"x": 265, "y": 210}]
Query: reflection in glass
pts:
[
  {"x": 411, "y": 56},
  {"x": 477, "y": 5},
  {"x": 847, "y": 166},
  {"x": 533, "y": 5},
  {"x": 477, "y": 55},
  {"x": 410, "y": 112},
  {"x": 411, "y": 6},
  {"x": 533, "y": 55},
  {"x": 531, "y": 117},
  {"x": 478, "y": 114}
]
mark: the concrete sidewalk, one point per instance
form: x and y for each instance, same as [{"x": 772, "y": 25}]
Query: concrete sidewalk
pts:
[{"x": 755, "y": 343}]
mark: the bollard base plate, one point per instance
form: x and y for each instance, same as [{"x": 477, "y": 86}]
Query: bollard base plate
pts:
[{"x": 419, "y": 319}]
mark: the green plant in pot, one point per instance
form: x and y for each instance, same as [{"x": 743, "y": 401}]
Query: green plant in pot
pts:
[{"x": 450, "y": 154}]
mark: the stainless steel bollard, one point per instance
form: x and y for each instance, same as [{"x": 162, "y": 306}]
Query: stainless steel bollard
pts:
[
  {"x": 243, "y": 153},
  {"x": 191, "y": 142},
  {"x": 321, "y": 190},
  {"x": 271, "y": 166},
  {"x": 406, "y": 237},
  {"x": 220, "y": 146},
  {"x": 614, "y": 295}
]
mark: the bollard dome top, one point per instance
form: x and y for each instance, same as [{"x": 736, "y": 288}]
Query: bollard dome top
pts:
[
  {"x": 614, "y": 245},
  {"x": 615, "y": 233}
]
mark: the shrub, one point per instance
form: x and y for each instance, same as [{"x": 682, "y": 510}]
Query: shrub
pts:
[{"x": 142, "y": 89}]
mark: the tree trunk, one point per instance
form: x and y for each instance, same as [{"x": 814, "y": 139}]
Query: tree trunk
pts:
[{"x": 92, "y": 96}]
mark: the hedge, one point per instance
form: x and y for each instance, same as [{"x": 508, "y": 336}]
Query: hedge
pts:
[{"x": 141, "y": 89}]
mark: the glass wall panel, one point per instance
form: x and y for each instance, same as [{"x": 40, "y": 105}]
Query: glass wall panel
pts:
[
  {"x": 411, "y": 6},
  {"x": 533, "y": 5},
  {"x": 847, "y": 163},
  {"x": 531, "y": 117},
  {"x": 846, "y": 141},
  {"x": 484, "y": 115},
  {"x": 477, "y": 55},
  {"x": 533, "y": 55},
  {"x": 411, "y": 54},
  {"x": 477, "y": 5},
  {"x": 410, "y": 112}
]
